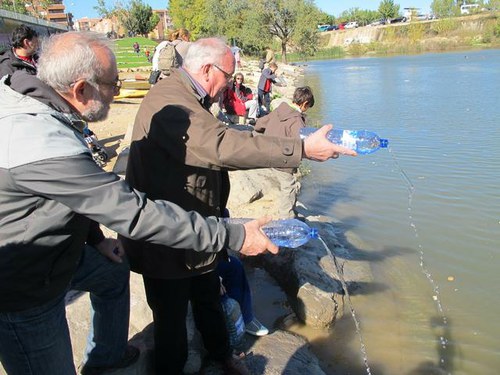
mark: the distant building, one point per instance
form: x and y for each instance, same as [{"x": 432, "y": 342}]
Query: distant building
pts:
[
  {"x": 85, "y": 23},
  {"x": 410, "y": 12},
  {"x": 54, "y": 11},
  {"x": 161, "y": 30},
  {"x": 112, "y": 27},
  {"x": 109, "y": 26}
]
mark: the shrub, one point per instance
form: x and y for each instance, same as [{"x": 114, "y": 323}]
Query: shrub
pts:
[
  {"x": 357, "y": 49},
  {"x": 445, "y": 25},
  {"x": 389, "y": 34},
  {"x": 496, "y": 29},
  {"x": 416, "y": 32}
]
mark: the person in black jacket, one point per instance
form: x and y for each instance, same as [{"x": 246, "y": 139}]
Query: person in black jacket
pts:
[{"x": 22, "y": 55}]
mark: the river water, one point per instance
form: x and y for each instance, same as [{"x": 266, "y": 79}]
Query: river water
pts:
[{"x": 441, "y": 114}]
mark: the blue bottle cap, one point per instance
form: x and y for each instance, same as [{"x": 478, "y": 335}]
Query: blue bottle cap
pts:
[
  {"x": 384, "y": 143},
  {"x": 313, "y": 233}
]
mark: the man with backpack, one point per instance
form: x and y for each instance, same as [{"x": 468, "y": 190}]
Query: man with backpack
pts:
[{"x": 169, "y": 54}]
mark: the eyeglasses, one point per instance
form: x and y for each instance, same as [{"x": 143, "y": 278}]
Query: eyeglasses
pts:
[
  {"x": 226, "y": 74},
  {"x": 116, "y": 85}
]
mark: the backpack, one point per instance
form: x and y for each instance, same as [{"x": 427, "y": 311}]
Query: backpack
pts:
[
  {"x": 261, "y": 64},
  {"x": 167, "y": 58}
]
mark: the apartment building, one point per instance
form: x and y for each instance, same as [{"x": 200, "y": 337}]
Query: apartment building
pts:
[{"x": 53, "y": 12}]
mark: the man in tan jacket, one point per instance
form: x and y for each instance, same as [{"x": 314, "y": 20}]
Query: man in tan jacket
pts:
[{"x": 180, "y": 152}]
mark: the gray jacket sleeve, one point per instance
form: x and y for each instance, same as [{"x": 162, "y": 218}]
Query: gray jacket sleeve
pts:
[{"x": 78, "y": 183}]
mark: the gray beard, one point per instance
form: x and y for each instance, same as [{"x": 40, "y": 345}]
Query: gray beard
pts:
[{"x": 97, "y": 111}]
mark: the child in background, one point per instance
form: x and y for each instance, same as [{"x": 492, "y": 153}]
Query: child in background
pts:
[{"x": 286, "y": 121}]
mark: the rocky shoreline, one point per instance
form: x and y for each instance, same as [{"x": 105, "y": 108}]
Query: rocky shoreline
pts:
[{"x": 295, "y": 285}]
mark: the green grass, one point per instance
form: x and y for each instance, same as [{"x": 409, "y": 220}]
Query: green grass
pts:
[{"x": 125, "y": 55}]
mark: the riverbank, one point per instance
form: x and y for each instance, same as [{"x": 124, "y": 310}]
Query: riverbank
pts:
[{"x": 481, "y": 31}]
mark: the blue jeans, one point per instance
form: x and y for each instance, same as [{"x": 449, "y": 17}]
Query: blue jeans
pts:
[
  {"x": 37, "y": 342},
  {"x": 235, "y": 282},
  {"x": 264, "y": 100}
]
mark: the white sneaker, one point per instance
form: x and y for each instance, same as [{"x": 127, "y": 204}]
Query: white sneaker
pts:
[{"x": 256, "y": 328}]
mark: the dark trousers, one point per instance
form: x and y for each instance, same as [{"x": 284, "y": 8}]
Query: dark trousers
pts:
[
  {"x": 235, "y": 282},
  {"x": 264, "y": 100},
  {"x": 168, "y": 299}
]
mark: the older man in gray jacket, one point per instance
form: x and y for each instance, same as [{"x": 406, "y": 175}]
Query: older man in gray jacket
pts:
[
  {"x": 51, "y": 195},
  {"x": 180, "y": 152}
]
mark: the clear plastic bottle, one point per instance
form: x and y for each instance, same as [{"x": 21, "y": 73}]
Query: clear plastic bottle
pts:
[
  {"x": 361, "y": 141},
  {"x": 290, "y": 233},
  {"x": 234, "y": 321}
]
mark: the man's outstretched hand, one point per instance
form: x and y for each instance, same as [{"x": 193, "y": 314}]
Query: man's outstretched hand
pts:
[
  {"x": 317, "y": 147},
  {"x": 256, "y": 242}
]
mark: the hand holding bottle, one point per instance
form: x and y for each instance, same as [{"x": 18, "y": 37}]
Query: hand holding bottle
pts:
[
  {"x": 290, "y": 233},
  {"x": 256, "y": 242},
  {"x": 318, "y": 147},
  {"x": 362, "y": 141}
]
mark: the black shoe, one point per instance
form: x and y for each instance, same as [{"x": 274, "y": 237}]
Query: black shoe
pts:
[
  {"x": 129, "y": 358},
  {"x": 251, "y": 121}
]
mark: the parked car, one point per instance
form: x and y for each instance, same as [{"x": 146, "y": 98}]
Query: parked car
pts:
[
  {"x": 378, "y": 22},
  {"x": 469, "y": 8},
  {"x": 333, "y": 27},
  {"x": 351, "y": 25},
  {"x": 398, "y": 19},
  {"x": 323, "y": 27}
]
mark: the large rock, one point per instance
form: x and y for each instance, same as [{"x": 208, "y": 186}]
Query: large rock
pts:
[
  {"x": 254, "y": 193},
  {"x": 282, "y": 353},
  {"x": 312, "y": 275}
]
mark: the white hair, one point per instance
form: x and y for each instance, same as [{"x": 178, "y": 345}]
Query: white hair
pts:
[
  {"x": 203, "y": 52},
  {"x": 68, "y": 57}
]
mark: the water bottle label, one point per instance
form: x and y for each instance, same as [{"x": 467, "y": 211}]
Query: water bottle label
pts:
[{"x": 348, "y": 140}]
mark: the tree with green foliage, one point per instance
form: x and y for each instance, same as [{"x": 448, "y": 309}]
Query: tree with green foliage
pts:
[
  {"x": 17, "y": 6},
  {"x": 102, "y": 10},
  {"x": 493, "y": 4},
  {"x": 361, "y": 16},
  {"x": 251, "y": 24},
  {"x": 326, "y": 19},
  {"x": 34, "y": 8},
  {"x": 281, "y": 18},
  {"x": 227, "y": 17},
  {"x": 254, "y": 35},
  {"x": 388, "y": 9},
  {"x": 138, "y": 18},
  {"x": 192, "y": 15},
  {"x": 444, "y": 8},
  {"x": 287, "y": 19},
  {"x": 305, "y": 36}
]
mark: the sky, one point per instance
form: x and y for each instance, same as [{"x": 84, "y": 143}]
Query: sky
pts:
[{"x": 85, "y": 8}]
